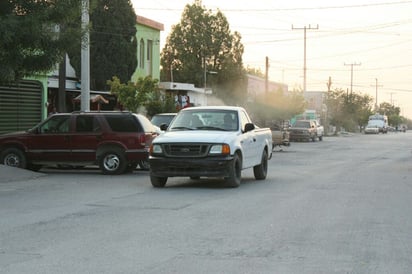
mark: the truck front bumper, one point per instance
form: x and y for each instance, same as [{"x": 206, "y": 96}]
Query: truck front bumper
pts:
[{"x": 191, "y": 167}]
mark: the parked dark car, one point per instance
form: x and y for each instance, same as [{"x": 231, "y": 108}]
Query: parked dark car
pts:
[{"x": 115, "y": 141}]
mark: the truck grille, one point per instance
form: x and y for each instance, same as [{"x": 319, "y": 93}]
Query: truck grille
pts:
[{"x": 186, "y": 150}]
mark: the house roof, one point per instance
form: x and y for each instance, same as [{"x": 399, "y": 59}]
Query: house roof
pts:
[{"x": 149, "y": 23}]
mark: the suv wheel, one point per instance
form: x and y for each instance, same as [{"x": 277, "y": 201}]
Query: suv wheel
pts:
[
  {"x": 13, "y": 157},
  {"x": 112, "y": 162}
]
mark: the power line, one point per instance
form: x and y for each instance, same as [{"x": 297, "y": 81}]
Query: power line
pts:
[{"x": 295, "y": 9}]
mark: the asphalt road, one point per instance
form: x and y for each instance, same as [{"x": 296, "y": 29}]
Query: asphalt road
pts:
[{"x": 342, "y": 205}]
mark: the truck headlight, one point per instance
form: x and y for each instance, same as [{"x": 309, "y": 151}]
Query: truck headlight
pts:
[
  {"x": 220, "y": 149},
  {"x": 155, "y": 149}
]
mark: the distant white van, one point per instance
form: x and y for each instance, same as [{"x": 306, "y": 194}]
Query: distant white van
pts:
[{"x": 380, "y": 121}]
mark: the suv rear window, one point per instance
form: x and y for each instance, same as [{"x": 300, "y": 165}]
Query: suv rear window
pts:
[{"x": 123, "y": 123}]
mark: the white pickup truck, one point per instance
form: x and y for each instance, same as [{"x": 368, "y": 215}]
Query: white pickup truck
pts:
[
  {"x": 320, "y": 131},
  {"x": 216, "y": 141}
]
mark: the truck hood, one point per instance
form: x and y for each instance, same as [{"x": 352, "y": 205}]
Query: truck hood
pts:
[{"x": 195, "y": 136}]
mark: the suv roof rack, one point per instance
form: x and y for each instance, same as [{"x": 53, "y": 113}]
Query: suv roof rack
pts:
[{"x": 102, "y": 111}]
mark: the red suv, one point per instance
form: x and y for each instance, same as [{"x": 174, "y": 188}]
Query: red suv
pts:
[{"x": 115, "y": 141}]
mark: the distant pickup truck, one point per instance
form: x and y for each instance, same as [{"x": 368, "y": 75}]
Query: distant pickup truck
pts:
[
  {"x": 320, "y": 131},
  {"x": 303, "y": 130},
  {"x": 217, "y": 141}
]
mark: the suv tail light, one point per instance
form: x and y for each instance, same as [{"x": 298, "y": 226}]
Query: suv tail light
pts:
[{"x": 142, "y": 139}]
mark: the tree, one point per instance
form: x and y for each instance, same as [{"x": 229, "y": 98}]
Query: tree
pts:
[
  {"x": 392, "y": 112},
  {"x": 348, "y": 111},
  {"x": 133, "y": 95},
  {"x": 32, "y": 38},
  {"x": 112, "y": 43},
  {"x": 202, "y": 42}
]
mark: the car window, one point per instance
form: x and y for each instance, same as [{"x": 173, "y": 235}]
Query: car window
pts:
[
  {"x": 56, "y": 124},
  {"x": 244, "y": 119},
  {"x": 87, "y": 124},
  {"x": 302, "y": 124},
  {"x": 205, "y": 119},
  {"x": 123, "y": 123},
  {"x": 162, "y": 119}
]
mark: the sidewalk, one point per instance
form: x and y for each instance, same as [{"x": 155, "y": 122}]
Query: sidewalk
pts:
[{"x": 11, "y": 174}]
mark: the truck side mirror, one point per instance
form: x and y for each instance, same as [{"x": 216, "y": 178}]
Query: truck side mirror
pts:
[
  {"x": 163, "y": 127},
  {"x": 249, "y": 127}
]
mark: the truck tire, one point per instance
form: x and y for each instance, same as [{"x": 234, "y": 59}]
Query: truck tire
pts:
[
  {"x": 235, "y": 173},
  {"x": 260, "y": 171},
  {"x": 158, "y": 181},
  {"x": 321, "y": 138},
  {"x": 112, "y": 162},
  {"x": 13, "y": 157}
]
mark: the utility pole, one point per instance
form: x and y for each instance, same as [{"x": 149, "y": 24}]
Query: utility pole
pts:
[
  {"x": 304, "y": 50},
  {"x": 351, "y": 75},
  {"x": 376, "y": 90},
  {"x": 392, "y": 101},
  {"x": 85, "y": 59}
]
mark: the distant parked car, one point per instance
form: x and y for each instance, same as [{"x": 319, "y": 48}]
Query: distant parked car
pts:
[
  {"x": 371, "y": 129},
  {"x": 162, "y": 119},
  {"x": 305, "y": 130},
  {"x": 115, "y": 141},
  {"x": 280, "y": 134}
]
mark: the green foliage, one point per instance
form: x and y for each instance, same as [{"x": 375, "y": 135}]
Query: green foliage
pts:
[
  {"x": 276, "y": 106},
  {"x": 158, "y": 103},
  {"x": 392, "y": 112},
  {"x": 112, "y": 43},
  {"x": 348, "y": 111},
  {"x": 133, "y": 95},
  {"x": 35, "y": 35},
  {"x": 200, "y": 43}
]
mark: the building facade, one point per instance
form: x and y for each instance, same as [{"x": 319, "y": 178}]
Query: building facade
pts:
[{"x": 148, "y": 48}]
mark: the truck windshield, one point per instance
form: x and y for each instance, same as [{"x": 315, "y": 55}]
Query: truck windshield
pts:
[
  {"x": 206, "y": 119},
  {"x": 302, "y": 124}
]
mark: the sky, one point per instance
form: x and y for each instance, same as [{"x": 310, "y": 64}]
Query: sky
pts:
[{"x": 364, "y": 46}]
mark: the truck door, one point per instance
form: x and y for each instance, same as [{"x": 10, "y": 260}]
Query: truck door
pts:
[{"x": 248, "y": 142}]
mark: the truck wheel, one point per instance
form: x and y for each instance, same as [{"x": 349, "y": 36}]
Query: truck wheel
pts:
[
  {"x": 13, "y": 157},
  {"x": 112, "y": 162},
  {"x": 260, "y": 171},
  {"x": 321, "y": 138},
  {"x": 235, "y": 174},
  {"x": 158, "y": 181}
]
